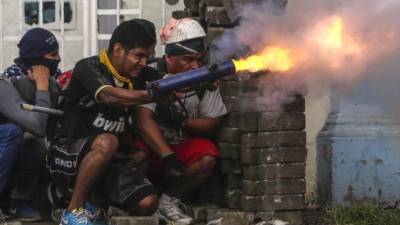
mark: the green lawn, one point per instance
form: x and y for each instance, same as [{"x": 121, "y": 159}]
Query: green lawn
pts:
[{"x": 363, "y": 214}]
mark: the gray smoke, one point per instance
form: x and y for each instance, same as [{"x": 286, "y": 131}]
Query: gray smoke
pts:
[{"x": 373, "y": 25}]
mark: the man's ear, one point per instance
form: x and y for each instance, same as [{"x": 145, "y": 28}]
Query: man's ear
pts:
[
  {"x": 118, "y": 50},
  {"x": 168, "y": 58}
]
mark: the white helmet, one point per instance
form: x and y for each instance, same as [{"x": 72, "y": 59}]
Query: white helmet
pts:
[{"x": 181, "y": 30}]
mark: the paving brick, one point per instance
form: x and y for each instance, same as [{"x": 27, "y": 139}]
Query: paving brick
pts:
[
  {"x": 273, "y": 202},
  {"x": 192, "y": 5},
  {"x": 198, "y": 213},
  {"x": 215, "y": 213},
  {"x": 232, "y": 217},
  {"x": 264, "y": 104},
  {"x": 260, "y": 140},
  {"x": 274, "y": 186},
  {"x": 229, "y": 151},
  {"x": 202, "y": 12},
  {"x": 214, "y": 33},
  {"x": 231, "y": 120},
  {"x": 273, "y": 139},
  {"x": 244, "y": 87},
  {"x": 232, "y": 7},
  {"x": 274, "y": 155},
  {"x": 233, "y": 181},
  {"x": 249, "y": 122},
  {"x": 231, "y": 166},
  {"x": 287, "y": 121},
  {"x": 292, "y": 138},
  {"x": 229, "y": 135},
  {"x": 264, "y": 216},
  {"x": 232, "y": 103},
  {"x": 296, "y": 104},
  {"x": 217, "y": 16},
  {"x": 179, "y": 14},
  {"x": 216, "y": 185},
  {"x": 134, "y": 220},
  {"x": 15, "y": 223},
  {"x": 217, "y": 3},
  {"x": 294, "y": 217},
  {"x": 249, "y": 86},
  {"x": 229, "y": 88},
  {"x": 233, "y": 199},
  {"x": 273, "y": 171}
]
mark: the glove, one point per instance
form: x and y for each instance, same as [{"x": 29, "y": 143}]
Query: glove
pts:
[
  {"x": 212, "y": 85},
  {"x": 172, "y": 115},
  {"x": 172, "y": 168}
]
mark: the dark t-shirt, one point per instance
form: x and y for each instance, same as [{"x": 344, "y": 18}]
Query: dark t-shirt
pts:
[{"x": 84, "y": 115}]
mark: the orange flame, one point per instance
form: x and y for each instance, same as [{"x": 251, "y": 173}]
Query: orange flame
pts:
[
  {"x": 270, "y": 58},
  {"x": 328, "y": 36},
  {"x": 331, "y": 37}
]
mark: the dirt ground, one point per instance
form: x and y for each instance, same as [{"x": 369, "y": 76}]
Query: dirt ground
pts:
[{"x": 315, "y": 217}]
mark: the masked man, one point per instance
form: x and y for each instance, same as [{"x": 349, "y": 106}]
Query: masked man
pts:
[{"x": 28, "y": 81}]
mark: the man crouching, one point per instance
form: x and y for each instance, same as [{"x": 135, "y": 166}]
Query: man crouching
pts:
[
  {"x": 85, "y": 158},
  {"x": 176, "y": 133}
]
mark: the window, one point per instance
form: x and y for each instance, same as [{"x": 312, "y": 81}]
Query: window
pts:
[{"x": 51, "y": 19}]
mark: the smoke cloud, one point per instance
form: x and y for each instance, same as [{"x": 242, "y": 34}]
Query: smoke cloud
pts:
[{"x": 369, "y": 59}]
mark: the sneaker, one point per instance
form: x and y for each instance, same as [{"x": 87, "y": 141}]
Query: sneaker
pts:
[
  {"x": 25, "y": 213},
  {"x": 169, "y": 211},
  {"x": 97, "y": 215},
  {"x": 77, "y": 217},
  {"x": 4, "y": 217},
  {"x": 56, "y": 215}
]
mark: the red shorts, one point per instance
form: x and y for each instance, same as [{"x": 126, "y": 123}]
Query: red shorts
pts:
[{"x": 188, "y": 152}]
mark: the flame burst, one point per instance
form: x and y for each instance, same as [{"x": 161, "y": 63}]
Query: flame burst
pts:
[
  {"x": 270, "y": 58},
  {"x": 329, "y": 37}
]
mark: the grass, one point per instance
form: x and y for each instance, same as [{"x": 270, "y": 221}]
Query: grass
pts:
[{"x": 363, "y": 214}]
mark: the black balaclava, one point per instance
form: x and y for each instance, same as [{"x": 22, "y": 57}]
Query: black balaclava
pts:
[{"x": 36, "y": 43}]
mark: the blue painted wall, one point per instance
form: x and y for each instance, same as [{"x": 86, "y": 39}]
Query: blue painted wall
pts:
[{"x": 358, "y": 155}]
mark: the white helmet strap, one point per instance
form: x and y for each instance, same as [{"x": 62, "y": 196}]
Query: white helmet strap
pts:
[{"x": 186, "y": 48}]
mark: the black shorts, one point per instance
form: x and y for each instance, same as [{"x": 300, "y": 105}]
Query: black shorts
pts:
[{"x": 120, "y": 185}]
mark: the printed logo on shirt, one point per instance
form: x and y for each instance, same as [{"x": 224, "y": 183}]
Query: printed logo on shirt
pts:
[
  {"x": 65, "y": 163},
  {"x": 116, "y": 126}
]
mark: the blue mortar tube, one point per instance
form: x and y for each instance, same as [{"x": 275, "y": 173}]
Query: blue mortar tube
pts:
[{"x": 190, "y": 78}]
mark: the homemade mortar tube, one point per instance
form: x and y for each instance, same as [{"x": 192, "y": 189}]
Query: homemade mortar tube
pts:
[
  {"x": 41, "y": 109},
  {"x": 190, "y": 78}
]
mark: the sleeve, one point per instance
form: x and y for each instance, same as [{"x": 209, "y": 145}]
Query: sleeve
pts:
[
  {"x": 10, "y": 107},
  {"x": 211, "y": 105},
  {"x": 89, "y": 74},
  {"x": 150, "y": 106}
]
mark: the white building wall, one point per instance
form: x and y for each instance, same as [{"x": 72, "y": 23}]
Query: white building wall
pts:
[{"x": 73, "y": 50}]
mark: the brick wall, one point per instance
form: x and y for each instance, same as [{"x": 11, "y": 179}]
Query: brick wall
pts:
[{"x": 262, "y": 147}]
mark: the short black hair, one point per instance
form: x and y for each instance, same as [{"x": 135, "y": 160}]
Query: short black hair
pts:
[{"x": 133, "y": 34}]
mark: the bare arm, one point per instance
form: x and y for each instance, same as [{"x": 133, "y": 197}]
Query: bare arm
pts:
[
  {"x": 151, "y": 132},
  {"x": 208, "y": 127},
  {"x": 123, "y": 97}
]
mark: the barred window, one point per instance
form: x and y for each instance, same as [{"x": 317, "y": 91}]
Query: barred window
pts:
[{"x": 51, "y": 19}]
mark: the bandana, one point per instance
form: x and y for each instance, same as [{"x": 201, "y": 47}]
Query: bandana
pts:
[{"x": 106, "y": 61}]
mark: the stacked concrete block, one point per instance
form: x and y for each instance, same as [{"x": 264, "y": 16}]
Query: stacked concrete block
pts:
[
  {"x": 134, "y": 220},
  {"x": 229, "y": 144},
  {"x": 262, "y": 146},
  {"x": 273, "y": 157}
]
